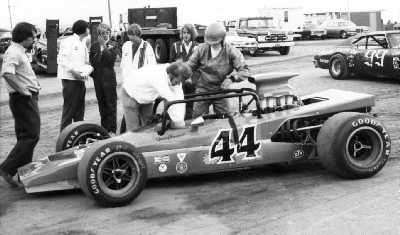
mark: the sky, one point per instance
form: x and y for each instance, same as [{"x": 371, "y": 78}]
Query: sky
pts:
[{"x": 189, "y": 11}]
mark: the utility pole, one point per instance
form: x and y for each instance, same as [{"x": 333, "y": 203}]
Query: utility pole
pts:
[
  {"x": 9, "y": 13},
  {"x": 109, "y": 13},
  {"x": 348, "y": 10}
]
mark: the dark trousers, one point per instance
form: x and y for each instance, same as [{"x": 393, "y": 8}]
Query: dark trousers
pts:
[
  {"x": 106, "y": 93},
  {"x": 27, "y": 129},
  {"x": 74, "y": 102},
  {"x": 188, "y": 88}
]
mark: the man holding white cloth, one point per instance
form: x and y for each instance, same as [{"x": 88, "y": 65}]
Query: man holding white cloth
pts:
[{"x": 148, "y": 83}]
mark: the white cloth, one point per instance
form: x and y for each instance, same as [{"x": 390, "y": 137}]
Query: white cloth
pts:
[
  {"x": 73, "y": 54},
  {"x": 128, "y": 64},
  {"x": 149, "y": 82}
]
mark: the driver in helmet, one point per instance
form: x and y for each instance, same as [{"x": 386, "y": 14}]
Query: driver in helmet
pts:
[{"x": 215, "y": 60}]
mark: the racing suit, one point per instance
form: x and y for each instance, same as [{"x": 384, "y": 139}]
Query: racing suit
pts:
[{"x": 213, "y": 72}]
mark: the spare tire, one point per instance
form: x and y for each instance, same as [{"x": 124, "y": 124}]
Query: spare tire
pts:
[
  {"x": 79, "y": 133},
  {"x": 353, "y": 145},
  {"x": 113, "y": 173},
  {"x": 161, "y": 51}
]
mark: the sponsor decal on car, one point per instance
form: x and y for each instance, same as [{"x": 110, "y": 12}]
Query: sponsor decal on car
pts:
[
  {"x": 181, "y": 166},
  {"x": 161, "y": 159},
  {"x": 223, "y": 150},
  {"x": 298, "y": 154},
  {"x": 162, "y": 167}
]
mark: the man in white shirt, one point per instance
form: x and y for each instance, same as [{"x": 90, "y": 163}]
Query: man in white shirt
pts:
[
  {"x": 148, "y": 83},
  {"x": 73, "y": 70},
  {"x": 136, "y": 53}
]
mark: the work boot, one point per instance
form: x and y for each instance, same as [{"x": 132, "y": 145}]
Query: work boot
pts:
[{"x": 8, "y": 178}]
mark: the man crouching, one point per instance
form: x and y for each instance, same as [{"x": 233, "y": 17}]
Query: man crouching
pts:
[{"x": 145, "y": 85}]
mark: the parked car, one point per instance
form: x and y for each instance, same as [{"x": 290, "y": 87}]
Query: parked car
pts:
[
  {"x": 312, "y": 31},
  {"x": 375, "y": 53},
  {"x": 339, "y": 28},
  {"x": 245, "y": 44},
  {"x": 274, "y": 126},
  {"x": 5, "y": 40}
]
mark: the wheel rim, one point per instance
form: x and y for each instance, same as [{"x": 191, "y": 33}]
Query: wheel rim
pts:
[
  {"x": 336, "y": 67},
  {"x": 364, "y": 146},
  {"x": 118, "y": 174},
  {"x": 87, "y": 138}
]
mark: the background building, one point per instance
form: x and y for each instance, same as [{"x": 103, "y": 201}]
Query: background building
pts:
[{"x": 372, "y": 19}]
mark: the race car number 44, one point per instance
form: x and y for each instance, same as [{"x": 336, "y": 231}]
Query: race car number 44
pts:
[{"x": 223, "y": 151}]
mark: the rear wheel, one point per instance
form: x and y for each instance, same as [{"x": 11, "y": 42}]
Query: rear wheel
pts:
[
  {"x": 79, "y": 133},
  {"x": 113, "y": 173},
  {"x": 353, "y": 145},
  {"x": 284, "y": 50},
  {"x": 161, "y": 51},
  {"x": 338, "y": 68}
]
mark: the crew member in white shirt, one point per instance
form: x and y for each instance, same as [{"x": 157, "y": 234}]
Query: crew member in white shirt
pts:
[
  {"x": 136, "y": 53},
  {"x": 73, "y": 70},
  {"x": 148, "y": 83}
]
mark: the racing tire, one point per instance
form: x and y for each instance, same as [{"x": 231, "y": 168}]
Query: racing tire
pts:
[
  {"x": 79, "y": 133},
  {"x": 284, "y": 50},
  {"x": 112, "y": 173},
  {"x": 343, "y": 34},
  {"x": 161, "y": 51},
  {"x": 353, "y": 145},
  {"x": 338, "y": 68}
]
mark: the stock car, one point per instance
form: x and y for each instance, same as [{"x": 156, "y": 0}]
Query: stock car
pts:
[
  {"x": 271, "y": 125},
  {"x": 372, "y": 54}
]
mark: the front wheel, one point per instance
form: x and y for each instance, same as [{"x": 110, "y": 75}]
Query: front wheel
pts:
[
  {"x": 353, "y": 145},
  {"x": 253, "y": 51},
  {"x": 113, "y": 173},
  {"x": 284, "y": 50},
  {"x": 79, "y": 133},
  {"x": 343, "y": 34}
]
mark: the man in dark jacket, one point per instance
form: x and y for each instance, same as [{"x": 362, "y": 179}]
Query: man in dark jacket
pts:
[{"x": 102, "y": 57}]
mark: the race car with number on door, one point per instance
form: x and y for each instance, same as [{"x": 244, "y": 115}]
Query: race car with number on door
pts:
[
  {"x": 270, "y": 125},
  {"x": 373, "y": 54}
]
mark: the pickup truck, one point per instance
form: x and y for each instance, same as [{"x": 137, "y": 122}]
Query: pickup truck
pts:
[{"x": 268, "y": 37}]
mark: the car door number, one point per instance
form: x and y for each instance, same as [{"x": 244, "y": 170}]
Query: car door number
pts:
[
  {"x": 372, "y": 54},
  {"x": 223, "y": 149}
]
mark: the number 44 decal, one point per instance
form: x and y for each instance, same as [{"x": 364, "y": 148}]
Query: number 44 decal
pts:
[{"x": 223, "y": 149}]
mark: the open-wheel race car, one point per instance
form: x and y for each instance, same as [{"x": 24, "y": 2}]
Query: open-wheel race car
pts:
[{"x": 271, "y": 125}]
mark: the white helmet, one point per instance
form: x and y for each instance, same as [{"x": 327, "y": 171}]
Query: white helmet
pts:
[{"x": 215, "y": 33}]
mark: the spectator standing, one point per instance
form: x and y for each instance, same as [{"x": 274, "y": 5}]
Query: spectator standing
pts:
[
  {"x": 23, "y": 88},
  {"x": 136, "y": 53},
  {"x": 182, "y": 50},
  {"x": 73, "y": 70},
  {"x": 102, "y": 57}
]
